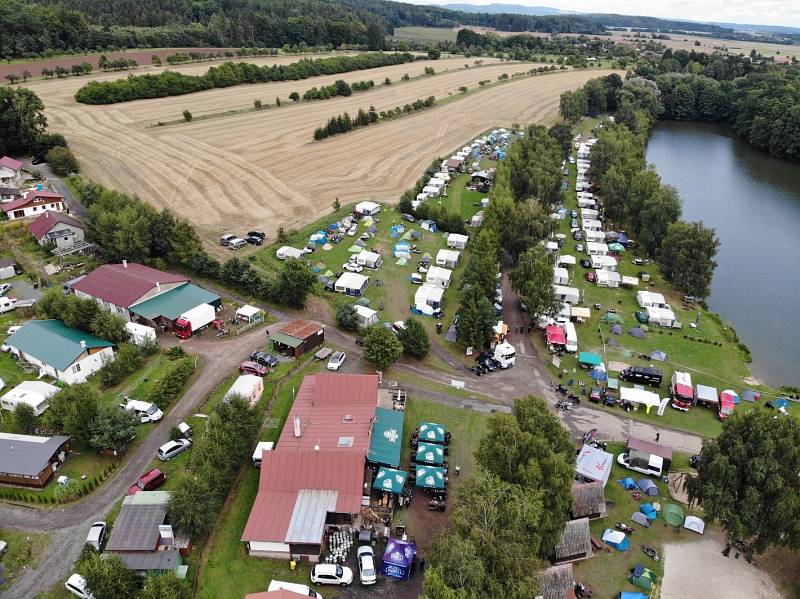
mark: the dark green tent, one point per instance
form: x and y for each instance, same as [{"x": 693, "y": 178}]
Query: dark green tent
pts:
[
  {"x": 389, "y": 479},
  {"x": 429, "y": 453}
]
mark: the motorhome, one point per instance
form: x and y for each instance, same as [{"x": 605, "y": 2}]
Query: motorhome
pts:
[{"x": 682, "y": 391}]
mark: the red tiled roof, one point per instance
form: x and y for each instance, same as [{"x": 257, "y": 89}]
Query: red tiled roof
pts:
[
  {"x": 285, "y": 473},
  {"x": 46, "y": 221},
  {"x": 122, "y": 285},
  {"x": 332, "y": 406},
  {"x": 301, "y": 329},
  {"x": 47, "y": 197},
  {"x": 279, "y": 594},
  {"x": 9, "y": 162}
]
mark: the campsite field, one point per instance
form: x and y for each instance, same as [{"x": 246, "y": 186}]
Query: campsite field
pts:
[{"x": 261, "y": 169}]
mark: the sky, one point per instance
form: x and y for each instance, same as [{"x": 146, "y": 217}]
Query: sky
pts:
[{"x": 761, "y": 12}]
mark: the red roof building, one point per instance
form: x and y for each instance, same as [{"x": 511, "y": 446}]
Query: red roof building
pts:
[
  {"x": 10, "y": 163},
  {"x": 33, "y": 203},
  {"x": 279, "y": 594},
  {"x": 316, "y": 471},
  {"x": 119, "y": 286},
  {"x": 45, "y": 222}
]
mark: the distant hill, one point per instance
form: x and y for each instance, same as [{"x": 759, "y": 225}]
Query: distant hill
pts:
[
  {"x": 750, "y": 28},
  {"x": 497, "y": 8}
]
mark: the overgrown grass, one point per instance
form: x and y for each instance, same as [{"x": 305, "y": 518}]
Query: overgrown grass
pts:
[
  {"x": 425, "y": 35},
  {"x": 17, "y": 556}
]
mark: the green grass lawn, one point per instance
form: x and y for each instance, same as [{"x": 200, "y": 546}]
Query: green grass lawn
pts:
[
  {"x": 606, "y": 573},
  {"x": 226, "y": 570},
  {"x": 722, "y": 366},
  {"x": 17, "y": 556}
]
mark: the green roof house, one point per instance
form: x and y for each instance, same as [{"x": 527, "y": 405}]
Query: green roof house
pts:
[{"x": 59, "y": 351}]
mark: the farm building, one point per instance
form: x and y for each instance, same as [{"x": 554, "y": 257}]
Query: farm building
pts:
[
  {"x": 7, "y": 268},
  {"x": 458, "y": 241},
  {"x": 66, "y": 232},
  {"x": 289, "y": 253},
  {"x": 248, "y": 386},
  {"x": 366, "y": 316},
  {"x": 143, "y": 538},
  {"x": 10, "y": 172},
  {"x": 367, "y": 208},
  {"x": 569, "y": 295},
  {"x": 429, "y": 295},
  {"x": 557, "y": 582},
  {"x": 33, "y": 203},
  {"x": 575, "y": 543},
  {"x": 8, "y": 194},
  {"x": 596, "y": 249},
  {"x": 30, "y": 461},
  {"x": 66, "y": 354},
  {"x": 661, "y": 316},
  {"x": 608, "y": 278},
  {"x": 36, "y": 394},
  {"x": 351, "y": 283},
  {"x": 315, "y": 476},
  {"x": 560, "y": 276},
  {"x": 297, "y": 337},
  {"x": 369, "y": 259},
  {"x": 447, "y": 258},
  {"x": 164, "y": 309},
  {"x": 439, "y": 276}
]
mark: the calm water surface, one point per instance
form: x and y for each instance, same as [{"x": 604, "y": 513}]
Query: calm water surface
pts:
[{"x": 753, "y": 201}]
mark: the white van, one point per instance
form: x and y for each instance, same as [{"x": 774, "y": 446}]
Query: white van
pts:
[
  {"x": 146, "y": 411},
  {"x": 300, "y": 589},
  {"x": 7, "y": 304},
  {"x": 572, "y": 337}
]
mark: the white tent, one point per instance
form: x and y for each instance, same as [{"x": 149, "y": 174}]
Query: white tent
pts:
[
  {"x": 580, "y": 313},
  {"x": 287, "y": 252},
  {"x": 429, "y": 295},
  {"x": 629, "y": 281},
  {"x": 569, "y": 295},
  {"x": 455, "y": 240},
  {"x": 649, "y": 298},
  {"x": 639, "y": 396},
  {"x": 430, "y": 191},
  {"x": 447, "y": 258},
  {"x": 694, "y": 524},
  {"x": 36, "y": 394},
  {"x": 608, "y": 278},
  {"x": 560, "y": 276},
  {"x": 439, "y": 276},
  {"x": 366, "y": 316},
  {"x": 248, "y": 314},
  {"x": 566, "y": 260},
  {"x": 140, "y": 334},
  {"x": 592, "y": 225},
  {"x": 661, "y": 316},
  {"x": 369, "y": 259},
  {"x": 351, "y": 283},
  {"x": 248, "y": 386},
  {"x": 604, "y": 262},
  {"x": 707, "y": 394},
  {"x": 595, "y": 236},
  {"x": 588, "y": 213},
  {"x": 551, "y": 246},
  {"x": 594, "y": 464},
  {"x": 596, "y": 249},
  {"x": 368, "y": 208}
]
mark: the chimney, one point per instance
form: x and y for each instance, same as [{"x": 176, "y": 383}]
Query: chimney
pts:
[
  {"x": 124, "y": 264},
  {"x": 158, "y": 286},
  {"x": 83, "y": 344},
  {"x": 297, "y": 428}
]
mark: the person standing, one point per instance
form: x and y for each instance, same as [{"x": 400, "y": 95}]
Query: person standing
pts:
[
  {"x": 658, "y": 437},
  {"x": 458, "y": 470}
]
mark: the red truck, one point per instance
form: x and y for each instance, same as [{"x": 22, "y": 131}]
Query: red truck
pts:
[
  {"x": 196, "y": 319},
  {"x": 682, "y": 391}
]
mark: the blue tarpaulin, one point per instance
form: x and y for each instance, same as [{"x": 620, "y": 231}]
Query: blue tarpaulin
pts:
[
  {"x": 397, "y": 558},
  {"x": 628, "y": 484},
  {"x": 589, "y": 358},
  {"x": 598, "y": 374}
]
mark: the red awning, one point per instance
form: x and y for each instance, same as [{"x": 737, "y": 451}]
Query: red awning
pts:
[{"x": 555, "y": 335}]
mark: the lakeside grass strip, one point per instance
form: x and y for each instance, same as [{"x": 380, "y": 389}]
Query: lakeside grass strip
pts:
[{"x": 171, "y": 83}]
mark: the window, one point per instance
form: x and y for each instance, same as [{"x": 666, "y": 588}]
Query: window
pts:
[{"x": 76, "y": 368}]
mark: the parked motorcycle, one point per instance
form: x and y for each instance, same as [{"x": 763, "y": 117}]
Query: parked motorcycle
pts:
[
  {"x": 435, "y": 505},
  {"x": 564, "y": 404},
  {"x": 582, "y": 591},
  {"x": 624, "y": 528},
  {"x": 589, "y": 436},
  {"x": 561, "y": 389},
  {"x": 650, "y": 552}
]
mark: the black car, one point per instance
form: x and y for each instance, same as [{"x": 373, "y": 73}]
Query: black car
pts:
[
  {"x": 253, "y": 240},
  {"x": 577, "y": 235},
  {"x": 260, "y": 234},
  {"x": 694, "y": 461},
  {"x": 586, "y": 263},
  {"x": 487, "y": 363},
  {"x": 478, "y": 370},
  {"x": 264, "y": 358}
]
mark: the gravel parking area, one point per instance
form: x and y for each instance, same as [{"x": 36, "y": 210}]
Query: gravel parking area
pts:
[{"x": 699, "y": 570}]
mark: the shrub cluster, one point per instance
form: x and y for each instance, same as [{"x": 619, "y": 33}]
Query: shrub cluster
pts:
[
  {"x": 168, "y": 387},
  {"x": 228, "y": 74},
  {"x": 344, "y": 122}
]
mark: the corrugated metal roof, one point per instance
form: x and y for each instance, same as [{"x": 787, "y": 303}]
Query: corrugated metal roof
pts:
[
  {"x": 123, "y": 285},
  {"x": 285, "y": 473},
  {"x": 311, "y": 508},
  {"x": 53, "y": 343},
  {"x": 302, "y": 329},
  {"x": 279, "y": 337},
  {"x": 171, "y": 304},
  {"x": 386, "y": 441},
  {"x": 26, "y": 455},
  {"x": 151, "y": 560},
  {"x": 136, "y": 527}
]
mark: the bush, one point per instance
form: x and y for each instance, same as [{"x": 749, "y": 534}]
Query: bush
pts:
[
  {"x": 414, "y": 339},
  {"x": 62, "y": 161},
  {"x": 25, "y": 418},
  {"x": 346, "y": 316},
  {"x": 175, "y": 352},
  {"x": 127, "y": 360},
  {"x": 168, "y": 387},
  {"x": 187, "y": 116}
]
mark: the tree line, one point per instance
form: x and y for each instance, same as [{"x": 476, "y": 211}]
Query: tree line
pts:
[
  {"x": 634, "y": 198},
  {"x": 508, "y": 517},
  {"x": 170, "y": 83},
  {"x": 344, "y": 122},
  {"x": 337, "y": 88}
]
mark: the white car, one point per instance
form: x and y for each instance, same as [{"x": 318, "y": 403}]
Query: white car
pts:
[
  {"x": 76, "y": 584},
  {"x": 97, "y": 533},
  {"x": 366, "y": 565},
  {"x": 352, "y": 267},
  {"x": 174, "y": 448},
  {"x": 4, "y": 288},
  {"x": 331, "y": 574},
  {"x": 337, "y": 359}
]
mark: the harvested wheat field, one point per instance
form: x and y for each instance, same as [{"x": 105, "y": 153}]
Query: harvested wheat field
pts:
[{"x": 262, "y": 169}]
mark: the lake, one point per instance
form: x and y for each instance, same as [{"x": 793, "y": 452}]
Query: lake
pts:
[{"x": 753, "y": 201}]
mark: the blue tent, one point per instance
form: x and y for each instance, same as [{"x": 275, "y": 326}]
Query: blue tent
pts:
[
  {"x": 628, "y": 484},
  {"x": 648, "y": 487},
  {"x": 616, "y": 539},
  {"x": 397, "y": 558},
  {"x": 589, "y": 358},
  {"x": 629, "y": 595},
  {"x": 750, "y": 396},
  {"x": 648, "y": 510},
  {"x": 397, "y": 231},
  {"x": 598, "y": 374},
  {"x": 623, "y": 239}
]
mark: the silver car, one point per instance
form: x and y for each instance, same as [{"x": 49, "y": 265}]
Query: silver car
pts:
[{"x": 172, "y": 449}]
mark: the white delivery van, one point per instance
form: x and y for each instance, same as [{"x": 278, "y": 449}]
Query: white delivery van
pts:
[
  {"x": 146, "y": 411},
  {"x": 300, "y": 589},
  {"x": 572, "y": 337}
]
